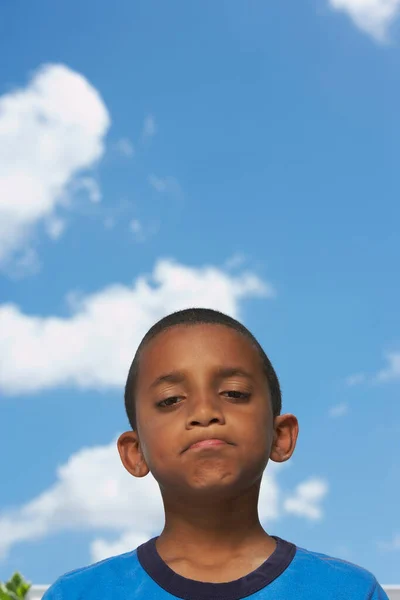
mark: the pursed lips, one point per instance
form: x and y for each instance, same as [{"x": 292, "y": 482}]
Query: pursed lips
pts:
[{"x": 207, "y": 443}]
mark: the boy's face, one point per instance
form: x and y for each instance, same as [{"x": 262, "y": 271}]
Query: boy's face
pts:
[{"x": 210, "y": 382}]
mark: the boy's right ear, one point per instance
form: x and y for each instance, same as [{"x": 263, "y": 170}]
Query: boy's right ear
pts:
[{"x": 130, "y": 453}]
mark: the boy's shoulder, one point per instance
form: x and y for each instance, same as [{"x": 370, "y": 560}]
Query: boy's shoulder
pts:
[
  {"x": 103, "y": 575},
  {"x": 330, "y": 572}
]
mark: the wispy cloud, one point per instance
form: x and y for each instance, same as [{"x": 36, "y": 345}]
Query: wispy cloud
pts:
[
  {"x": 390, "y": 545},
  {"x": 236, "y": 261},
  {"x": 374, "y": 17},
  {"x": 90, "y": 186},
  {"x": 24, "y": 263},
  {"x": 339, "y": 410},
  {"x": 125, "y": 147},
  {"x": 158, "y": 183},
  {"x": 355, "y": 379},
  {"x": 392, "y": 371},
  {"x": 49, "y": 132},
  {"x": 165, "y": 185},
  {"x": 139, "y": 232},
  {"x": 149, "y": 127},
  {"x": 55, "y": 227},
  {"x": 32, "y": 359}
]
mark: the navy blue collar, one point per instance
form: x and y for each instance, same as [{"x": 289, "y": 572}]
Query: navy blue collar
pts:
[{"x": 189, "y": 589}]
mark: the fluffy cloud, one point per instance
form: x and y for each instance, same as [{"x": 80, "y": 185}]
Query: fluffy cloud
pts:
[
  {"x": 372, "y": 16},
  {"x": 50, "y": 131},
  {"x": 93, "y": 492},
  {"x": 94, "y": 346},
  {"x": 306, "y": 501}
]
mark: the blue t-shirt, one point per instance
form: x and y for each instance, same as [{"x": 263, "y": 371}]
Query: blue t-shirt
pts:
[{"x": 290, "y": 573}]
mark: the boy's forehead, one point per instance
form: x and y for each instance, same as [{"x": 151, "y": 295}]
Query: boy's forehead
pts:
[
  {"x": 181, "y": 343},
  {"x": 214, "y": 333}
]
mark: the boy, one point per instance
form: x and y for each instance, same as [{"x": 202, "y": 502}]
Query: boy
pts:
[{"x": 204, "y": 404}]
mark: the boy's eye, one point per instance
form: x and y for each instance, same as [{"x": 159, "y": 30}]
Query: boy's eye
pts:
[
  {"x": 168, "y": 401},
  {"x": 233, "y": 394},
  {"x": 236, "y": 395}
]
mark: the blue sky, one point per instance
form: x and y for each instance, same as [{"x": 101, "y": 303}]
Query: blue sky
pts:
[{"x": 240, "y": 155}]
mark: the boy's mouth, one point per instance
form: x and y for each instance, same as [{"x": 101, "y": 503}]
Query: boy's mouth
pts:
[{"x": 207, "y": 443}]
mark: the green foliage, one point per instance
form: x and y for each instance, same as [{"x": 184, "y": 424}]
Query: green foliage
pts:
[{"x": 15, "y": 588}]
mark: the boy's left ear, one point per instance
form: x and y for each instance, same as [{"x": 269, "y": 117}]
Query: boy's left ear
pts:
[
  {"x": 286, "y": 430},
  {"x": 131, "y": 455}
]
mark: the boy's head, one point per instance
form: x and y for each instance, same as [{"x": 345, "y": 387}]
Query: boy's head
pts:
[
  {"x": 188, "y": 318},
  {"x": 200, "y": 375}
]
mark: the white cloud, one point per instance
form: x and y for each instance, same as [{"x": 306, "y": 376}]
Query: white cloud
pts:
[
  {"x": 306, "y": 501},
  {"x": 269, "y": 504},
  {"x": 50, "y": 131},
  {"x": 93, "y": 347},
  {"x": 339, "y": 410},
  {"x": 392, "y": 371},
  {"x": 102, "y": 548},
  {"x": 372, "y": 16},
  {"x": 93, "y": 492},
  {"x": 355, "y": 379},
  {"x": 125, "y": 147},
  {"x": 149, "y": 127}
]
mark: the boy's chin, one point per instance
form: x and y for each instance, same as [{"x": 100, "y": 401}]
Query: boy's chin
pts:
[
  {"x": 209, "y": 478},
  {"x": 211, "y": 484}
]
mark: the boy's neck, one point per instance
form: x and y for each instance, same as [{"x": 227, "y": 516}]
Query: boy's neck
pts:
[{"x": 206, "y": 531}]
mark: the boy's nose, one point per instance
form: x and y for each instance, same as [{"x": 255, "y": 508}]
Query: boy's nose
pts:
[{"x": 204, "y": 411}]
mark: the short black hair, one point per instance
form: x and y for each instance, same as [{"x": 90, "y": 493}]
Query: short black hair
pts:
[{"x": 198, "y": 316}]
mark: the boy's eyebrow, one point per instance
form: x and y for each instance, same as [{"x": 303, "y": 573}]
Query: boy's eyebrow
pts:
[
  {"x": 220, "y": 373},
  {"x": 223, "y": 372},
  {"x": 172, "y": 377}
]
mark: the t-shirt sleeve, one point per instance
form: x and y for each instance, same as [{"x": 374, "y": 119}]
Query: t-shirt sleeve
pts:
[
  {"x": 53, "y": 593},
  {"x": 378, "y": 593}
]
